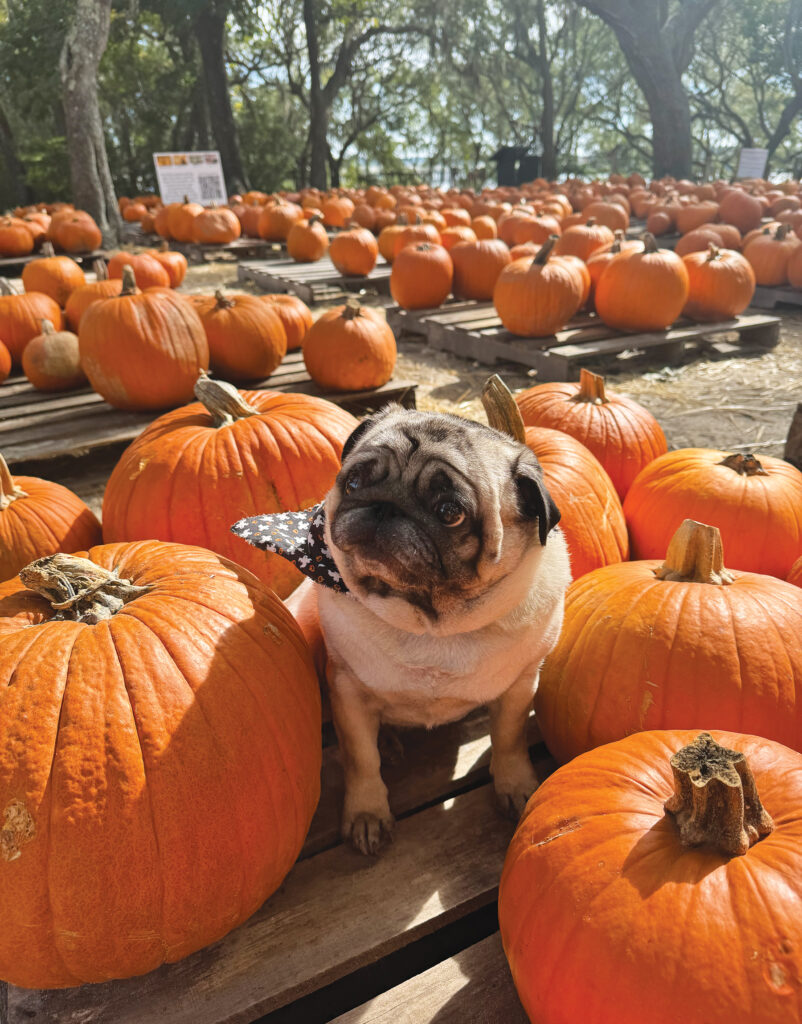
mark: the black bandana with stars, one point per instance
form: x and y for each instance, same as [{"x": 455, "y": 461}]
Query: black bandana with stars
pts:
[{"x": 298, "y": 537}]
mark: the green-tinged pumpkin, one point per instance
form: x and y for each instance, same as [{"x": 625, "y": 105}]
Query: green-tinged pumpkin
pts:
[{"x": 159, "y": 758}]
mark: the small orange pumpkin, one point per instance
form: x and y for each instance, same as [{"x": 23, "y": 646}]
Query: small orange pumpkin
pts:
[
  {"x": 354, "y": 252},
  {"x": 422, "y": 275},
  {"x": 52, "y": 360},
  {"x": 247, "y": 340},
  {"x": 642, "y": 290},
  {"x": 537, "y": 297},
  {"x": 721, "y": 284},
  {"x": 56, "y": 276},
  {"x": 350, "y": 348},
  {"x": 307, "y": 241}
]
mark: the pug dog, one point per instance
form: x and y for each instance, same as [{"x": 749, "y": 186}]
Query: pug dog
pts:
[{"x": 454, "y": 572}]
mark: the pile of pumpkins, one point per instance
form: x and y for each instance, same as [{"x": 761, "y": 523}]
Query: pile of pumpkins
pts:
[
  {"x": 29, "y": 227},
  {"x": 168, "y": 338},
  {"x": 700, "y": 630}
]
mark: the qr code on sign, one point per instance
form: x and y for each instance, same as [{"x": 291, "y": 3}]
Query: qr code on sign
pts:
[{"x": 210, "y": 186}]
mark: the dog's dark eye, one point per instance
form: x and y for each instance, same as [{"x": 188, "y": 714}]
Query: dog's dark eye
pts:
[
  {"x": 353, "y": 482},
  {"x": 450, "y": 513}
]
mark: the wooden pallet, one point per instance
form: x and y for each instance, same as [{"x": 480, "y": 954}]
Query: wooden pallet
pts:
[
  {"x": 412, "y": 933},
  {"x": 784, "y": 295},
  {"x": 241, "y": 248},
  {"x": 13, "y": 266},
  {"x": 313, "y": 282},
  {"x": 38, "y": 425},
  {"x": 473, "y": 330}
]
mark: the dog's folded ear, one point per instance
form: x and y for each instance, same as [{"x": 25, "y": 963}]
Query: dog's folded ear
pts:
[
  {"x": 534, "y": 500},
  {"x": 354, "y": 437}
]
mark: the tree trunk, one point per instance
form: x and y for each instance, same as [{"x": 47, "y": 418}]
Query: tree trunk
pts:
[
  {"x": 548, "y": 167},
  {"x": 84, "y": 45},
  {"x": 658, "y": 46},
  {"x": 13, "y": 164},
  {"x": 210, "y": 31},
  {"x": 318, "y": 111}
]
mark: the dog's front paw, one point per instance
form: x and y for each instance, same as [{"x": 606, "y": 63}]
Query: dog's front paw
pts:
[
  {"x": 514, "y": 782},
  {"x": 367, "y": 832}
]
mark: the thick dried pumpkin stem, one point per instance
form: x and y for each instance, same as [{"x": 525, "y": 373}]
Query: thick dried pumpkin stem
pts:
[
  {"x": 715, "y": 801},
  {"x": 223, "y": 302},
  {"x": 222, "y": 401},
  {"x": 544, "y": 251},
  {"x": 649, "y": 242},
  {"x": 351, "y": 309},
  {"x": 47, "y": 327},
  {"x": 77, "y": 589},
  {"x": 695, "y": 555},
  {"x": 8, "y": 489},
  {"x": 129, "y": 280},
  {"x": 591, "y": 388},
  {"x": 47, "y": 250},
  {"x": 101, "y": 270},
  {"x": 502, "y": 411},
  {"x": 744, "y": 465}
]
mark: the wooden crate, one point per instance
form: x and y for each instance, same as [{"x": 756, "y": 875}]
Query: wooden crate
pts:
[
  {"x": 313, "y": 282},
  {"x": 38, "y": 425},
  {"x": 412, "y": 932},
  {"x": 473, "y": 330},
  {"x": 784, "y": 295}
]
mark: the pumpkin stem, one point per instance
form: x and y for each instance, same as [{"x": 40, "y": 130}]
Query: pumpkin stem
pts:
[
  {"x": 649, "y": 242},
  {"x": 351, "y": 309},
  {"x": 781, "y": 232},
  {"x": 713, "y": 252},
  {"x": 223, "y": 302},
  {"x": 715, "y": 801},
  {"x": 222, "y": 401},
  {"x": 8, "y": 489},
  {"x": 47, "y": 250},
  {"x": 591, "y": 388},
  {"x": 47, "y": 327},
  {"x": 101, "y": 270},
  {"x": 77, "y": 589},
  {"x": 744, "y": 465},
  {"x": 502, "y": 411},
  {"x": 695, "y": 555},
  {"x": 129, "y": 280},
  {"x": 590, "y": 222},
  {"x": 165, "y": 246},
  {"x": 544, "y": 251}
]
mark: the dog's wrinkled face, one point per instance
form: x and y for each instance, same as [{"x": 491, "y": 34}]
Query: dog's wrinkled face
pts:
[{"x": 431, "y": 512}]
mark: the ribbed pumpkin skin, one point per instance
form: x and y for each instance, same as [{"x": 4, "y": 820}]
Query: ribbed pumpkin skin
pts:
[
  {"x": 175, "y": 263},
  {"x": 282, "y": 460},
  {"x": 641, "y": 929},
  {"x": 422, "y": 275},
  {"x": 148, "y": 272},
  {"x": 49, "y": 518},
  {"x": 143, "y": 351},
  {"x": 795, "y": 575},
  {"x": 477, "y": 266},
  {"x": 642, "y": 291},
  {"x": 5, "y": 362},
  {"x": 591, "y": 516},
  {"x": 294, "y": 314},
  {"x": 535, "y": 300},
  {"x": 353, "y": 354},
  {"x": 52, "y": 362},
  {"x": 307, "y": 242},
  {"x": 83, "y": 297},
  {"x": 760, "y": 517},
  {"x": 720, "y": 284},
  {"x": 247, "y": 340},
  {"x": 56, "y": 276},
  {"x": 637, "y": 652},
  {"x": 216, "y": 227},
  {"x": 354, "y": 252},
  {"x": 21, "y": 319},
  {"x": 622, "y": 435},
  {"x": 169, "y": 758}
]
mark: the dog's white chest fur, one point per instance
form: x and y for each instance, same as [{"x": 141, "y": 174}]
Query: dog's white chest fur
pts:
[{"x": 426, "y": 679}]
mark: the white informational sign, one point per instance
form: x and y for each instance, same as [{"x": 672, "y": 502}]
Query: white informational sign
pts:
[
  {"x": 198, "y": 176},
  {"x": 752, "y": 163}
]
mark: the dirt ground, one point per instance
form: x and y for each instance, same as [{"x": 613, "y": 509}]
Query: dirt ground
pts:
[{"x": 735, "y": 404}]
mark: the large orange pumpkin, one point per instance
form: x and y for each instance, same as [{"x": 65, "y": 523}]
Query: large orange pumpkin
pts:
[
  {"x": 15, "y": 237},
  {"x": 21, "y": 319},
  {"x": 38, "y": 518},
  {"x": 422, "y": 275},
  {"x": 159, "y": 758},
  {"x": 535, "y": 297},
  {"x": 307, "y": 241},
  {"x": 216, "y": 226},
  {"x": 350, "y": 348},
  {"x": 195, "y": 471},
  {"x": 247, "y": 340},
  {"x": 477, "y": 266},
  {"x": 674, "y": 643},
  {"x": 181, "y": 220},
  {"x": 622, "y": 435},
  {"x": 740, "y": 209},
  {"x": 642, "y": 290},
  {"x": 756, "y": 504},
  {"x": 5, "y": 362},
  {"x": 659, "y": 879},
  {"x": 770, "y": 253},
  {"x": 74, "y": 231},
  {"x": 721, "y": 284},
  {"x": 143, "y": 350},
  {"x": 354, "y": 252},
  {"x": 175, "y": 263},
  {"x": 591, "y": 516},
  {"x": 56, "y": 276}
]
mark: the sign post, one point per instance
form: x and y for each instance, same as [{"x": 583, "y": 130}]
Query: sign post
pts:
[
  {"x": 198, "y": 176},
  {"x": 752, "y": 163}
]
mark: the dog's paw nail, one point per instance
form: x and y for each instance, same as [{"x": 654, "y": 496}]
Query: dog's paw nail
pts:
[
  {"x": 369, "y": 831},
  {"x": 512, "y": 804}
]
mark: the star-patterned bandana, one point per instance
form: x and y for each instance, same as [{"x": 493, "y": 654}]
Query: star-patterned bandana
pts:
[{"x": 298, "y": 537}]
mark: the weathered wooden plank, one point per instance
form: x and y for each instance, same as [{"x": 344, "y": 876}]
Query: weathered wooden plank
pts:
[
  {"x": 793, "y": 443},
  {"x": 335, "y": 913},
  {"x": 768, "y": 298},
  {"x": 473, "y": 987}
]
